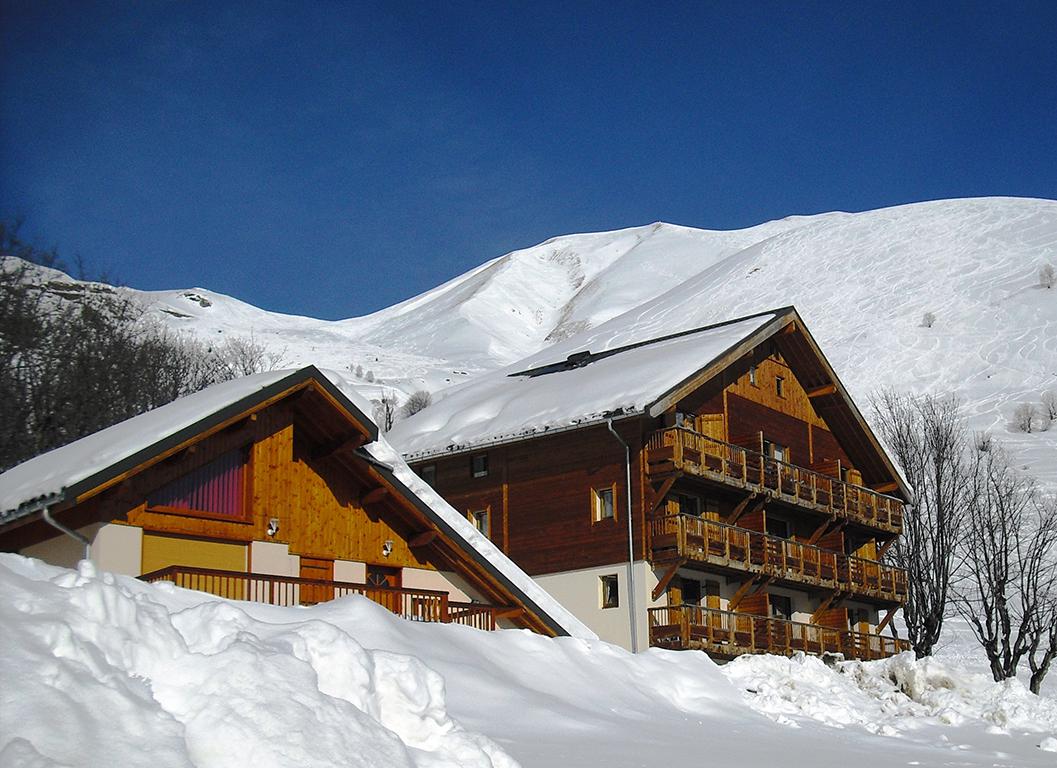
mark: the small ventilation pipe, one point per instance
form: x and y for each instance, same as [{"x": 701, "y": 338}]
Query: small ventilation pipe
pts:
[{"x": 631, "y": 538}]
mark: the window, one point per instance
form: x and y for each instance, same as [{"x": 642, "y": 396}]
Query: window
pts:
[
  {"x": 752, "y": 376},
  {"x": 691, "y": 592},
  {"x": 859, "y": 616},
  {"x": 779, "y": 386},
  {"x": 429, "y": 474},
  {"x": 688, "y": 505},
  {"x": 383, "y": 576},
  {"x": 479, "y": 465},
  {"x": 710, "y": 507},
  {"x": 610, "y": 596},
  {"x": 778, "y": 528},
  {"x": 215, "y": 489},
  {"x": 480, "y": 520},
  {"x": 602, "y": 504},
  {"x": 775, "y": 451},
  {"x": 781, "y": 607}
]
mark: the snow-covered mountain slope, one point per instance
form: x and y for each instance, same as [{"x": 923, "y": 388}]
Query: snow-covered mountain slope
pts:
[
  {"x": 103, "y": 670},
  {"x": 863, "y": 282}
]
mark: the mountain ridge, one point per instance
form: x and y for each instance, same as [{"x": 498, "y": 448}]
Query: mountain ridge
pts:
[{"x": 863, "y": 282}]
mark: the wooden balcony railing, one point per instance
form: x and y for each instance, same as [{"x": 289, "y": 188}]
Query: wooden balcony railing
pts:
[
  {"x": 707, "y": 541},
  {"x": 410, "y": 604},
  {"x": 731, "y": 634},
  {"x": 731, "y": 464}
]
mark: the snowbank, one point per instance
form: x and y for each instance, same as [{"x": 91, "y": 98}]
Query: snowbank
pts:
[
  {"x": 888, "y": 697},
  {"x": 97, "y": 673},
  {"x": 102, "y": 670}
]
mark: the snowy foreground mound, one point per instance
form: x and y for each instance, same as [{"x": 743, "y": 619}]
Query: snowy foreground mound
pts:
[{"x": 100, "y": 670}]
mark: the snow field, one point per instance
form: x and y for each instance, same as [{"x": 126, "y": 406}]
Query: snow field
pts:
[{"x": 103, "y": 670}]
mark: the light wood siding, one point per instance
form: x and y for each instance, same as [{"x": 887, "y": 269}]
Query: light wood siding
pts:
[
  {"x": 162, "y": 551},
  {"x": 317, "y": 506}
]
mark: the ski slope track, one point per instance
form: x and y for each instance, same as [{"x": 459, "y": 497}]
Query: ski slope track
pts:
[{"x": 862, "y": 281}]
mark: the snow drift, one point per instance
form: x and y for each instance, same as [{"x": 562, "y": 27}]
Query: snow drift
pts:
[{"x": 101, "y": 670}]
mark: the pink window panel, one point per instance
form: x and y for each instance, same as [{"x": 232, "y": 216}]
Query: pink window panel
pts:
[{"x": 217, "y": 487}]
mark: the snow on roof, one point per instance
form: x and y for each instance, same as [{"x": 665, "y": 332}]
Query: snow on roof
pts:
[
  {"x": 53, "y": 476},
  {"x": 51, "y": 473},
  {"x": 542, "y": 394}
]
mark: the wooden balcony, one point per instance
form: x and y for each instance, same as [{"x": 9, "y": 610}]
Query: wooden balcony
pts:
[
  {"x": 410, "y": 604},
  {"x": 699, "y": 540},
  {"x": 681, "y": 449},
  {"x": 728, "y": 634}
]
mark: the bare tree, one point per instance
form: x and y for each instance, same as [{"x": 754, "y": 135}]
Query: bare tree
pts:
[
  {"x": 1009, "y": 577},
  {"x": 244, "y": 356},
  {"x": 416, "y": 402},
  {"x": 1049, "y": 404},
  {"x": 1026, "y": 417},
  {"x": 385, "y": 410},
  {"x": 929, "y": 441},
  {"x": 1047, "y": 276}
]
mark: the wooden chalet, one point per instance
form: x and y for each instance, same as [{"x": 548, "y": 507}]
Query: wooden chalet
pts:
[
  {"x": 760, "y": 503},
  {"x": 276, "y": 489}
]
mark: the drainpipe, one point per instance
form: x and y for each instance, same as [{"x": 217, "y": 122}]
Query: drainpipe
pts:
[
  {"x": 46, "y": 515},
  {"x": 631, "y": 539}
]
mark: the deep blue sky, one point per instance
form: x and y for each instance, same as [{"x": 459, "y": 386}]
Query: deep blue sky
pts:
[{"x": 333, "y": 158}]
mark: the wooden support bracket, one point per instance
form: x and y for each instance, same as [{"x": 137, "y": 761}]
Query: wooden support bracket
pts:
[
  {"x": 661, "y": 492},
  {"x": 833, "y": 601},
  {"x": 739, "y": 510},
  {"x": 884, "y": 547},
  {"x": 667, "y": 578},
  {"x": 743, "y": 590},
  {"x": 885, "y": 620}
]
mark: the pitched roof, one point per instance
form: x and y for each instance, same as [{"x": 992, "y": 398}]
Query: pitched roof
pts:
[
  {"x": 543, "y": 395},
  {"x": 59, "y": 478}
]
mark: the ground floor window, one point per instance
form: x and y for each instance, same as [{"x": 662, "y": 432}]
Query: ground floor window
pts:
[
  {"x": 610, "y": 596},
  {"x": 781, "y": 607}
]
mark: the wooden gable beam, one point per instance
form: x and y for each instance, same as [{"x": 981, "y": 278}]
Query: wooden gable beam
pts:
[
  {"x": 667, "y": 578},
  {"x": 346, "y": 443},
  {"x": 825, "y": 389},
  {"x": 886, "y": 487},
  {"x": 423, "y": 539},
  {"x": 374, "y": 496}
]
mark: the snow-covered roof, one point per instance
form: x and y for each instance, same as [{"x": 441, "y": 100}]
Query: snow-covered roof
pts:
[
  {"x": 60, "y": 476},
  {"x": 542, "y": 394}
]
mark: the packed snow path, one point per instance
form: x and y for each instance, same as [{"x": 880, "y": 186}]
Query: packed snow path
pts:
[{"x": 100, "y": 670}]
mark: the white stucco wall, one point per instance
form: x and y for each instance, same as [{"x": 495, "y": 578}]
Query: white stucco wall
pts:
[
  {"x": 119, "y": 549},
  {"x": 273, "y": 559},
  {"x": 61, "y": 549},
  {"x": 580, "y": 592},
  {"x": 351, "y": 571},
  {"x": 418, "y": 578}
]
